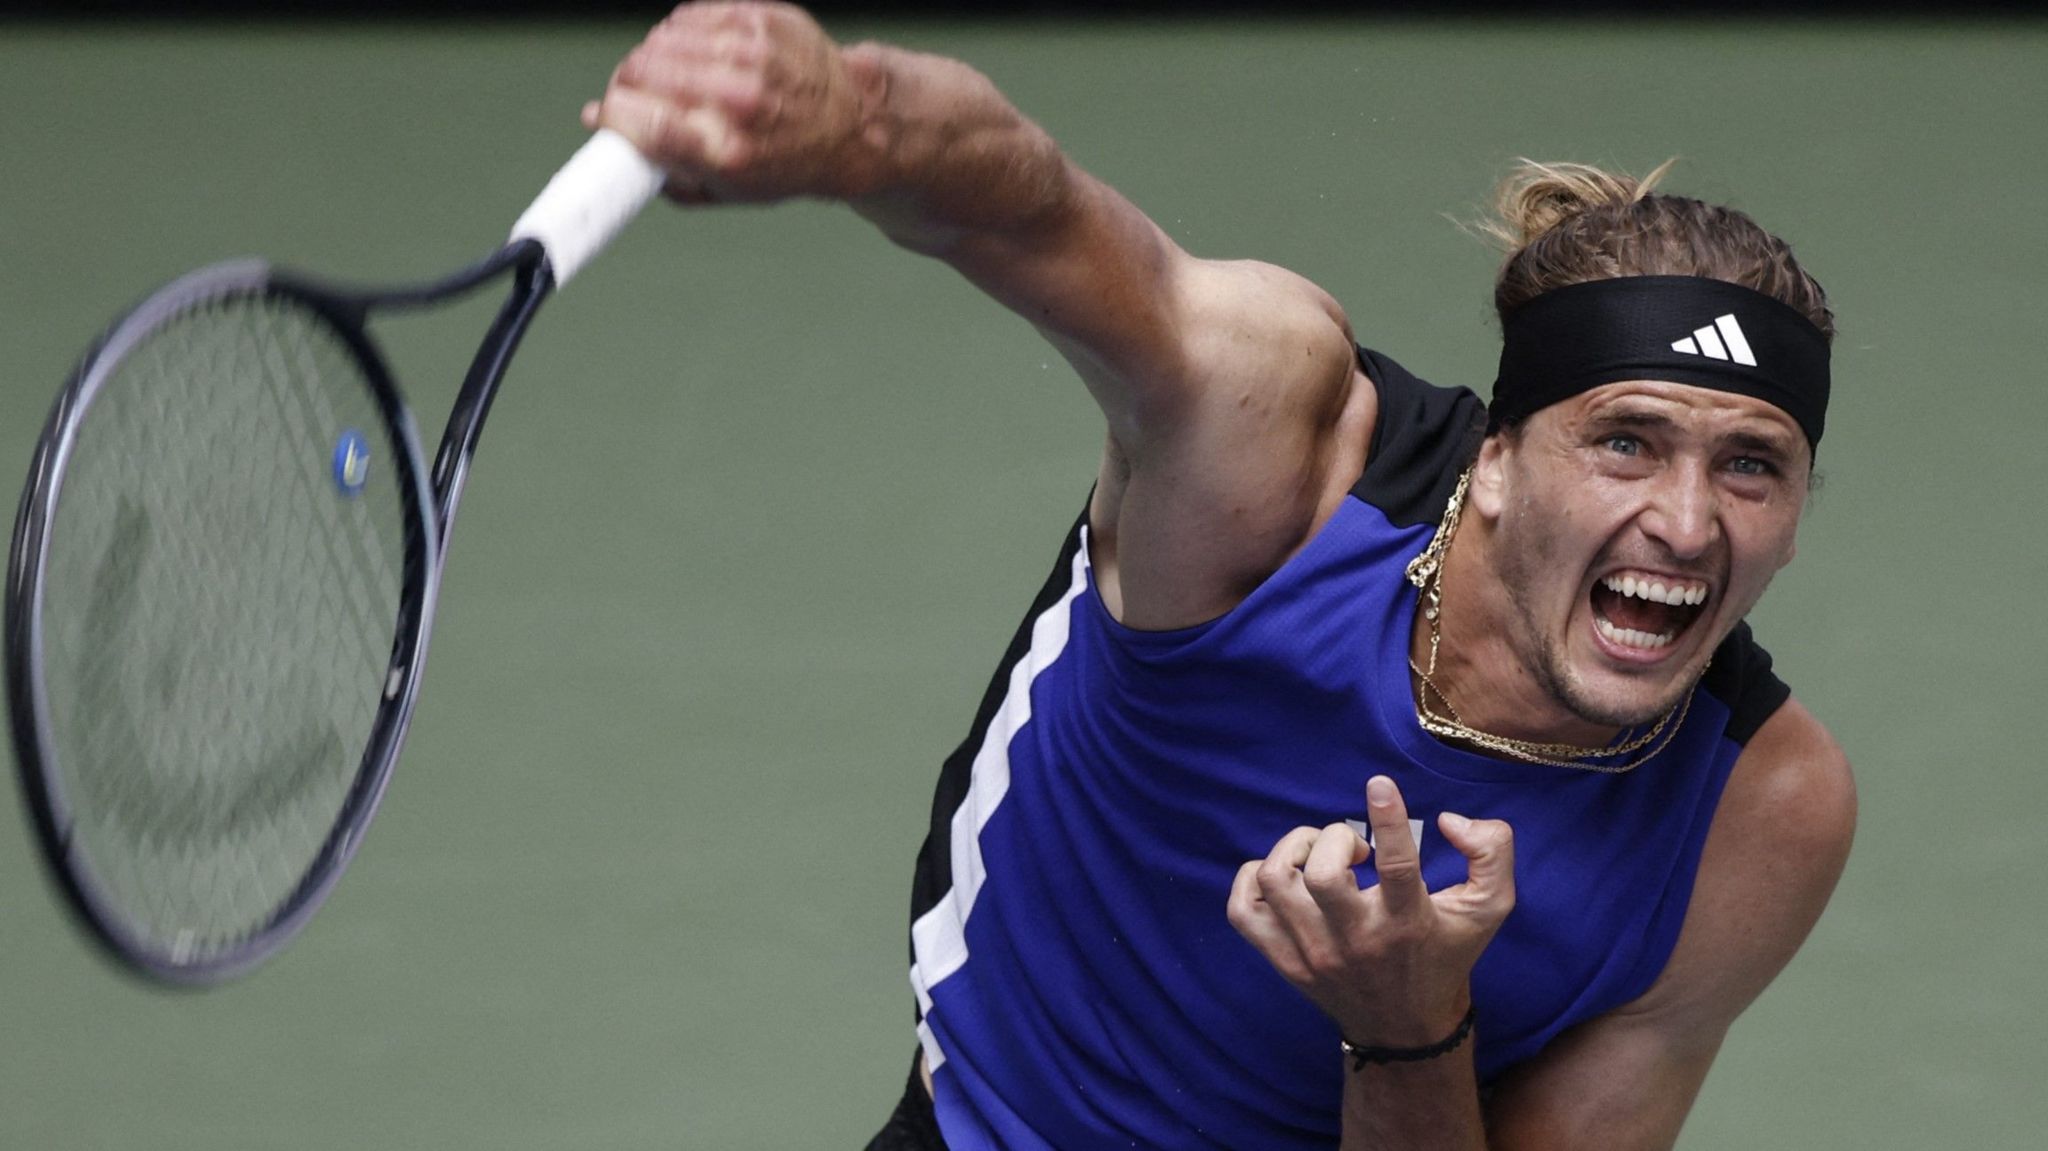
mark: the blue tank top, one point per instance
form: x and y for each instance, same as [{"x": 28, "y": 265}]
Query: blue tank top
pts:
[{"x": 1078, "y": 985}]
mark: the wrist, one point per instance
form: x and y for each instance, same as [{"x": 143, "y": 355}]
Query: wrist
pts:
[
  {"x": 1365, "y": 1055},
  {"x": 1423, "y": 1022},
  {"x": 863, "y": 162}
]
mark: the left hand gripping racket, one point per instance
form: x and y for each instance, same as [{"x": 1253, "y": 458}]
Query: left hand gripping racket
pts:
[{"x": 223, "y": 576}]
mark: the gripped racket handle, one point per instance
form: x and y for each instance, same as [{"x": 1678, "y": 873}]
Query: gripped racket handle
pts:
[{"x": 599, "y": 191}]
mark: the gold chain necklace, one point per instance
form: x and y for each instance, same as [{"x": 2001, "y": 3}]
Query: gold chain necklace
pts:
[{"x": 1426, "y": 572}]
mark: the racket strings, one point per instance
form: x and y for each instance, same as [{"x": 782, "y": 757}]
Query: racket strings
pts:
[{"x": 219, "y": 615}]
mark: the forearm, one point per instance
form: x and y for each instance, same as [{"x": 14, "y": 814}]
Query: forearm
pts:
[
  {"x": 953, "y": 170},
  {"x": 1427, "y": 1106},
  {"x": 945, "y": 158},
  {"x": 754, "y": 103}
]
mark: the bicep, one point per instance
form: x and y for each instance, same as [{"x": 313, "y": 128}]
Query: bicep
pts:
[
  {"x": 1235, "y": 411},
  {"x": 1165, "y": 341}
]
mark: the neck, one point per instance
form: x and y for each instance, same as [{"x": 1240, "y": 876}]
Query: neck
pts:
[{"x": 1480, "y": 667}]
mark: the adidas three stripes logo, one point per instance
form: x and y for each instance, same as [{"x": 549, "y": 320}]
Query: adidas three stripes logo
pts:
[{"x": 1720, "y": 340}]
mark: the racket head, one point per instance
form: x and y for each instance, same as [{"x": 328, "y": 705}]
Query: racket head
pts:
[{"x": 221, "y": 583}]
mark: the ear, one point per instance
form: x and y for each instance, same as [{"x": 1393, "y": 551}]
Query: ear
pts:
[{"x": 1488, "y": 494}]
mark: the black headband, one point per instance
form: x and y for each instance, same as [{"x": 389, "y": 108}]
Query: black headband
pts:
[{"x": 1681, "y": 329}]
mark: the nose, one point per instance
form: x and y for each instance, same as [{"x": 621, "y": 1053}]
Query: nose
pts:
[{"x": 1683, "y": 512}]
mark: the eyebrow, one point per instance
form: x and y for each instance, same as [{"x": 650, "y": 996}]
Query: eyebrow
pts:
[
  {"x": 1761, "y": 442},
  {"x": 1625, "y": 418}
]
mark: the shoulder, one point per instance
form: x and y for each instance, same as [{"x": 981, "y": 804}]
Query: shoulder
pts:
[
  {"x": 1422, "y": 438},
  {"x": 1236, "y": 448},
  {"x": 1247, "y": 322},
  {"x": 1777, "y": 846}
]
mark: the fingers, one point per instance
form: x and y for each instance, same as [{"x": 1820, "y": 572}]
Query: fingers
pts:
[
  {"x": 1260, "y": 920},
  {"x": 1328, "y": 877},
  {"x": 680, "y": 93},
  {"x": 739, "y": 102},
  {"x": 680, "y": 188},
  {"x": 1488, "y": 846},
  {"x": 739, "y": 85},
  {"x": 677, "y": 136},
  {"x": 1392, "y": 960},
  {"x": 1298, "y": 903},
  {"x": 1399, "y": 861},
  {"x": 1255, "y": 919},
  {"x": 1279, "y": 874}
]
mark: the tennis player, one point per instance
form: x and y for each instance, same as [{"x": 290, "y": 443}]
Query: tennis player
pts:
[{"x": 1377, "y": 768}]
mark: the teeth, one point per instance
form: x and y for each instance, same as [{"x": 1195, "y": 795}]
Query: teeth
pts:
[
  {"x": 1655, "y": 591},
  {"x": 1630, "y": 637}
]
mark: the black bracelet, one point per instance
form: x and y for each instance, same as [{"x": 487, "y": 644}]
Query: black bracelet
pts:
[{"x": 1360, "y": 1056}]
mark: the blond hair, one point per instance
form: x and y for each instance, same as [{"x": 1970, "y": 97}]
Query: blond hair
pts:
[{"x": 1569, "y": 223}]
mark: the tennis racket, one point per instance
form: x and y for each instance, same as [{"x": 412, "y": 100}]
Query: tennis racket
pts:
[{"x": 223, "y": 577}]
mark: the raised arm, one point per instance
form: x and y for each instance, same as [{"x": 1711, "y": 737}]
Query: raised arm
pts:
[{"x": 1236, "y": 415}]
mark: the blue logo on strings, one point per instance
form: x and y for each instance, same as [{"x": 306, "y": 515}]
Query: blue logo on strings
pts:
[{"x": 351, "y": 462}]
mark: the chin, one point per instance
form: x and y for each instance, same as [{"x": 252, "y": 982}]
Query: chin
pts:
[
  {"x": 1613, "y": 700},
  {"x": 1624, "y": 712}
]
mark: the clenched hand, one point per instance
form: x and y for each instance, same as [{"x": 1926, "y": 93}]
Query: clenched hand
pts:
[{"x": 741, "y": 102}]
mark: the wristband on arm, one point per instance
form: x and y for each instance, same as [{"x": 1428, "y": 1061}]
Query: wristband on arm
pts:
[{"x": 1361, "y": 1056}]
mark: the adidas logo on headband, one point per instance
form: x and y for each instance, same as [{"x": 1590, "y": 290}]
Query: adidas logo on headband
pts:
[
  {"x": 1720, "y": 340},
  {"x": 1572, "y": 339}
]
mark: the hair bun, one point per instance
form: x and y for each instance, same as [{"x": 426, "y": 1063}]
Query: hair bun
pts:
[
  {"x": 1564, "y": 224},
  {"x": 1536, "y": 197}
]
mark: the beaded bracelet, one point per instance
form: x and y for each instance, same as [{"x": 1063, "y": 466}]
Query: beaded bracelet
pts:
[{"x": 1360, "y": 1056}]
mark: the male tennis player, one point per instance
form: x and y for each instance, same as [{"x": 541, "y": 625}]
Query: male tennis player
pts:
[{"x": 1310, "y": 595}]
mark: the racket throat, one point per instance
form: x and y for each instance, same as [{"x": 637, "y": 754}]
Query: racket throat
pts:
[{"x": 532, "y": 285}]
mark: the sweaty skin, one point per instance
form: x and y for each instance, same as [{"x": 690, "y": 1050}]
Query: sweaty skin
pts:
[
  {"x": 1236, "y": 421},
  {"x": 1639, "y": 480}
]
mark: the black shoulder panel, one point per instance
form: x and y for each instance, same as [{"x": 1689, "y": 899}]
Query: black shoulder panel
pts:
[
  {"x": 1741, "y": 677},
  {"x": 1424, "y": 436}
]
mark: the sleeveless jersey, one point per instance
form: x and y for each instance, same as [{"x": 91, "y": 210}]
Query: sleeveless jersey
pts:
[{"x": 1077, "y": 983}]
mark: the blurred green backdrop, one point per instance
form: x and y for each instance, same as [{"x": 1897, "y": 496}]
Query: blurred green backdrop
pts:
[{"x": 764, "y": 497}]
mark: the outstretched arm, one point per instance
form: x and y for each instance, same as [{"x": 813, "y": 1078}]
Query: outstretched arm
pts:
[{"x": 1236, "y": 415}]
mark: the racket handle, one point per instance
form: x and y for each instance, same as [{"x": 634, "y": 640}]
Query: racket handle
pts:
[{"x": 599, "y": 191}]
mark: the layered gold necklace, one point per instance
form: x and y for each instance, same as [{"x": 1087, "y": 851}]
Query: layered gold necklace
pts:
[{"x": 1426, "y": 572}]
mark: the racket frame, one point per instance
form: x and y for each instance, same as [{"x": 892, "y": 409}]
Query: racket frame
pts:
[{"x": 429, "y": 503}]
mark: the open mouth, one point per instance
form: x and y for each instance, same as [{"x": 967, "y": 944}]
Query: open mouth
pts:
[{"x": 1642, "y": 612}]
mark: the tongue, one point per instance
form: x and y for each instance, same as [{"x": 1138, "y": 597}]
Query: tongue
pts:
[{"x": 1639, "y": 614}]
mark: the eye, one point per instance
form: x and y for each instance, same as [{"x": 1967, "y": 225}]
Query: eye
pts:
[
  {"x": 1623, "y": 445},
  {"x": 1751, "y": 466}
]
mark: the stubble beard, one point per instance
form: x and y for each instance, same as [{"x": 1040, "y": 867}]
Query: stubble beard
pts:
[
  {"x": 1555, "y": 675},
  {"x": 1544, "y": 655}
]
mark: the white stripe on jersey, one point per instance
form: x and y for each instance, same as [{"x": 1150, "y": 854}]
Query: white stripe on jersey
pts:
[{"x": 939, "y": 937}]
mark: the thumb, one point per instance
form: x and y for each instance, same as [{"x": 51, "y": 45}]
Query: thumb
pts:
[{"x": 1488, "y": 846}]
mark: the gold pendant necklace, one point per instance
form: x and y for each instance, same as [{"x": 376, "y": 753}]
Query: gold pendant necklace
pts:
[{"x": 1426, "y": 572}]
